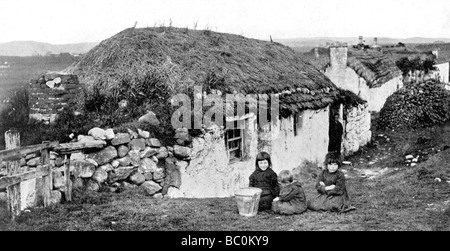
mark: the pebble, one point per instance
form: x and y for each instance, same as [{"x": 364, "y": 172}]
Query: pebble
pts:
[{"x": 437, "y": 180}]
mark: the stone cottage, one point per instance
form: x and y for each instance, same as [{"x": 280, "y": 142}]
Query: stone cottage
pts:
[
  {"x": 368, "y": 73},
  {"x": 221, "y": 159},
  {"x": 442, "y": 67}
]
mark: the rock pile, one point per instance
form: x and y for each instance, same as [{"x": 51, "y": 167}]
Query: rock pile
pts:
[
  {"x": 416, "y": 105},
  {"x": 127, "y": 160}
]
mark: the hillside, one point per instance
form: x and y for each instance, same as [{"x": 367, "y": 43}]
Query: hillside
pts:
[{"x": 32, "y": 48}]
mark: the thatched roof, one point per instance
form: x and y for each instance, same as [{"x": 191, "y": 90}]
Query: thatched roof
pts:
[
  {"x": 226, "y": 62},
  {"x": 375, "y": 67},
  {"x": 349, "y": 99}
]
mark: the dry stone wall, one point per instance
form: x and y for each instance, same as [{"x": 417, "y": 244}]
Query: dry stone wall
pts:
[
  {"x": 357, "y": 128},
  {"x": 50, "y": 94}
]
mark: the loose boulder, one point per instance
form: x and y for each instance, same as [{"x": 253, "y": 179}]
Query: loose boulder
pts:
[
  {"x": 147, "y": 165},
  {"x": 120, "y": 173},
  {"x": 107, "y": 167},
  {"x": 92, "y": 185},
  {"x": 109, "y": 134},
  {"x": 181, "y": 151},
  {"x": 143, "y": 134},
  {"x": 122, "y": 151},
  {"x": 162, "y": 153},
  {"x": 149, "y": 152},
  {"x": 100, "y": 176},
  {"x": 120, "y": 139},
  {"x": 97, "y": 133},
  {"x": 151, "y": 187},
  {"x": 153, "y": 142},
  {"x": 125, "y": 161},
  {"x": 135, "y": 157},
  {"x": 104, "y": 156},
  {"x": 150, "y": 118},
  {"x": 82, "y": 168},
  {"x": 137, "y": 144},
  {"x": 137, "y": 178},
  {"x": 132, "y": 133},
  {"x": 182, "y": 136}
]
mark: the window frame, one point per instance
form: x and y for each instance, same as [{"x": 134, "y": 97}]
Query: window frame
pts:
[{"x": 239, "y": 139}]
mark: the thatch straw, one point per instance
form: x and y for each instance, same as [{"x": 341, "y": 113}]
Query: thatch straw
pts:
[
  {"x": 184, "y": 58},
  {"x": 375, "y": 67}
]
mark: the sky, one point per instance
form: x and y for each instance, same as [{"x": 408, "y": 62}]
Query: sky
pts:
[{"x": 74, "y": 21}]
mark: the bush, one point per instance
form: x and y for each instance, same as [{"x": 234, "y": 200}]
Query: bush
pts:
[{"x": 406, "y": 65}]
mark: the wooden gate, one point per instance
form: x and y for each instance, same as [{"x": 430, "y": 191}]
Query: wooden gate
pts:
[{"x": 15, "y": 175}]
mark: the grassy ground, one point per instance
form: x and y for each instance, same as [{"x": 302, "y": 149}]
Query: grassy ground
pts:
[{"x": 387, "y": 194}]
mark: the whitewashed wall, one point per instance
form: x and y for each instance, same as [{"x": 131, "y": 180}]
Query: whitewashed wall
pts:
[
  {"x": 379, "y": 95},
  {"x": 443, "y": 71},
  {"x": 348, "y": 79},
  {"x": 210, "y": 174}
]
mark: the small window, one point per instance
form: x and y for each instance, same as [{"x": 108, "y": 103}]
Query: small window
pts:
[
  {"x": 298, "y": 122},
  {"x": 234, "y": 143}
]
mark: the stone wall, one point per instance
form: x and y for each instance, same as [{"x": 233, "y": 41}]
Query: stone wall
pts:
[
  {"x": 357, "y": 131},
  {"x": 196, "y": 167},
  {"x": 51, "y": 93}
]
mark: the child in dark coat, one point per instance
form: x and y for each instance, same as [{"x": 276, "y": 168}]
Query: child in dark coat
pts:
[
  {"x": 292, "y": 199},
  {"x": 332, "y": 192},
  {"x": 265, "y": 178}
]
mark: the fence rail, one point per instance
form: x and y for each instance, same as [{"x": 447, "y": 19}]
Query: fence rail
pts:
[
  {"x": 43, "y": 175},
  {"x": 13, "y": 154}
]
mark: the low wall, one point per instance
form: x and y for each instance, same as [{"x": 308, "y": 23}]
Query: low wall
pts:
[{"x": 51, "y": 93}]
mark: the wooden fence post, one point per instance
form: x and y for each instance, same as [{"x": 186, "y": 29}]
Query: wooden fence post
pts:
[
  {"x": 67, "y": 175},
  {"x": 12, "y": 140},
  {"x": 47, "y": 185}
]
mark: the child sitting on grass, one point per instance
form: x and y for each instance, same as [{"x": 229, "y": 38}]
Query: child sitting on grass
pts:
[
  {"x": 265, "y": 178},
  {"x": 332, "y": 192},
  {"x": 292, "y": 199}
]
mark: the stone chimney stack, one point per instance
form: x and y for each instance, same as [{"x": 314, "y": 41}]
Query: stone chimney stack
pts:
[
  {"x": 338, "y": 55},
  {"x": 435, "y": 53}
]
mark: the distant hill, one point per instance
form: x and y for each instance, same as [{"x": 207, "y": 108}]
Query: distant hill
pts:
[
  {"x": 32, "y": 48},
  {"x": 306, "y": 44}
]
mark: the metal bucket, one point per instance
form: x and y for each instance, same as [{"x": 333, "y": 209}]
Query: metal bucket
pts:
[{"x": 247, "y": 200}]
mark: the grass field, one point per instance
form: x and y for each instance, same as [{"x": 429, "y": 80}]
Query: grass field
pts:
[{"x": 387, "y": 194}]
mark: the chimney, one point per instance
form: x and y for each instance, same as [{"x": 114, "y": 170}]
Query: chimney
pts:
[
  {"x": 435, "y": 53},
  {"x": 338, "y": 55},
  {"x": 361, "y": 40}
]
